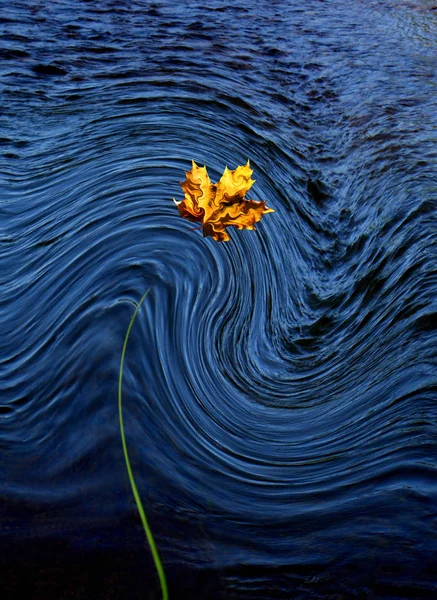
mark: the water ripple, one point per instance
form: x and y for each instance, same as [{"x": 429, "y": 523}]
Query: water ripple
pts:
[{"x": 278, "y": 388}]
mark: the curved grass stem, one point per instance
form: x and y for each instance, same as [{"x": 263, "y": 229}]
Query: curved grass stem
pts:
[{"x": 148, "y": 531}]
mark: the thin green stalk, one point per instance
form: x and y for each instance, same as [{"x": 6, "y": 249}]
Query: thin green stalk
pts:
[{"x": 148, "y": 531}]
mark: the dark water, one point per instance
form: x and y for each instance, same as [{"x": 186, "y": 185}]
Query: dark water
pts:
[{"x": 280, "y": 390}]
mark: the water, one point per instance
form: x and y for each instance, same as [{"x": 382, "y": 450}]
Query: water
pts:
[{"x": 280, "y": 389}]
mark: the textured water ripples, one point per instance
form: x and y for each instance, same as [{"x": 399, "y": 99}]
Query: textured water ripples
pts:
[{"x": 280, "y": 386}]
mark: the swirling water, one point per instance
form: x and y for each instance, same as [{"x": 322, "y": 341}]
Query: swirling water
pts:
[{"x": 280, "y": 390}]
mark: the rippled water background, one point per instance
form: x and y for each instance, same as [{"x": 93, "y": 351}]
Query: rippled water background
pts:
[{"x": 280, "y": 390}]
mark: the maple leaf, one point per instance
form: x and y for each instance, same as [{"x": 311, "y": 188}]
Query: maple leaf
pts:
[{"x": 220, "y": 205}]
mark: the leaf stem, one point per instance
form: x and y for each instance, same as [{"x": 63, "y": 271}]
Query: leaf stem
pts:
[{"x": 148, "y": 531}]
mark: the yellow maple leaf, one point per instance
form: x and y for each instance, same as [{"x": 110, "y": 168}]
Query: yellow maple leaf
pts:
[{"x": 220, "y": 205}]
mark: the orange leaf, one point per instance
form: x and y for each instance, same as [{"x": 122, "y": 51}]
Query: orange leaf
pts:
[{"x": 220, "y": 205}]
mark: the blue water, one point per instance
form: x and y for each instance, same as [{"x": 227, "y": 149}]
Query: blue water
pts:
[{"x": 280, "y": 390}]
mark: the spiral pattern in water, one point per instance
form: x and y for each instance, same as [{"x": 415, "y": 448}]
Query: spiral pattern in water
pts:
[{"x": 279, "y": 389}]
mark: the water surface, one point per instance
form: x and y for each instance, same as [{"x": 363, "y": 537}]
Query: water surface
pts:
[{"x": 280, "y": 390}]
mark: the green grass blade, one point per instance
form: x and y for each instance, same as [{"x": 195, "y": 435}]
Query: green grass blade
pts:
[{"x": 148, "y": 531}]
